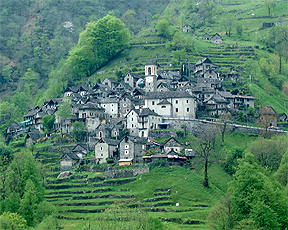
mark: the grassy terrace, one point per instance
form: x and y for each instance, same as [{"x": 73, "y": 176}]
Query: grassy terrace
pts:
[{"x": 155, "y": 194}]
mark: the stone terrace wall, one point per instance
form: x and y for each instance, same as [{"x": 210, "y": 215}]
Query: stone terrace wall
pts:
[{"x": 195, "y": 126}]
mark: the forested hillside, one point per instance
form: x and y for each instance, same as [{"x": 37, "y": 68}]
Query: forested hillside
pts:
[
  {"x": 70, "y": 155},
  {"x": 36, "y": 40},
  {"x": 35, "y": 35}
]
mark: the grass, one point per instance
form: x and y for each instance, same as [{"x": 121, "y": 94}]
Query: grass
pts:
[{"x": 186, "y": 189}]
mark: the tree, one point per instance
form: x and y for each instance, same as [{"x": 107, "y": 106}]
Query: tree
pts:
[
  {"x": 29, "y": 203},
  {"x": 282, "y": 172},
  {"x": 48, "y": 122},
  {"x": 22, "y": 168},
  {"x": 97, "y": 44},
  {"x": 224, "y": 120},
  {"x": 79, "y": 131},
  {"x": 65, "y": 110},
  {"x": 8, "y": 114},
  {"x": 254, "y": 196},
  {"x": 239, "y": 29},
  {"x": 205, "y": 147},
  {"x": 12, "y": 221},
  {"x": 228, "y": 25},
  {"x": 163, "y": 28},
  {"x": 268, "y": 152},
  {"x": 278, "y": 40},
  {"x": 221, "y": 216},
  {"x": 270, "y": 5}
]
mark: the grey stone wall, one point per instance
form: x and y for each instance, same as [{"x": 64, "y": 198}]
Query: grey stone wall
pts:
[{"x": 195, "y": 126}]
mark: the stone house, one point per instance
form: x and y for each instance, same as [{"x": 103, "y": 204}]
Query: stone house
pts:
[
  {"x": 216, "y": 39},
  {"x": 216, "y": 105},
  {"x": 206, "y": 36},
  {"x": 132, "y": 148},
  {"x": 32, "y": 136},
  {"x": 203, "y": 65},
  {"x": 172, "y": 104},
  {"x": 125, "y": 104},
  {"x": 141, "y": 121},
  {"x": 102, "y": 131},
  {"x": 80, "y": 150},
  {"x": 282, "y": 117},
  {"x": 69, "y": 91},
  {"x": 237, "y": 101},
  {"x": 106, "y": 148},
  {"x": 110, "y": 82},
  {"x": 172, "y": 145},
  {"x": 268, "y": 116},
  {"x": 111, "y": 106},
  {"x": 131, "y": 79},
  {"x": 186, "y": 28},
  {"x": 91, "y": 114},
  {"x": 69, "y": 160},
  {"x": 162, "y": 87}
]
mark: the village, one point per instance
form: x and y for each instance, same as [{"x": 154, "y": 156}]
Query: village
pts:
[{"x": 120, "y": 116}]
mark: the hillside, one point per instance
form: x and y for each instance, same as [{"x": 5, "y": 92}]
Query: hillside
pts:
[
  {"x": 41, "y": 34},
  {"x": 246, "y": 52},
  {"x": 143, "y": 114}
]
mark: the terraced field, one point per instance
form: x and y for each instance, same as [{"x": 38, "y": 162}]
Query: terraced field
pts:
[{"x": 84, "y": 197}]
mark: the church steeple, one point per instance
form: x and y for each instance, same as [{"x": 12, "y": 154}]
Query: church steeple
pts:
[{"x": 151, "y": 69}]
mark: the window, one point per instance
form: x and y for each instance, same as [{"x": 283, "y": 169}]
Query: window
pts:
[
  {"x": 163, "y": 107},
  {"x": 176, "y": 101},
  {"x": 187, "y": 101},
  {"x": 101, "y": 149},
  {"x": 149, "y": 71},
  {"x": 143, "y": 147},
  {"x": 91, "y": 114},
  {"x": 126, "y": 152},
  {"x": 131, "y": 118},
  {"x": 124, "y": 105},
  {"x": 177, "y": 110},
  {"x": 126, "y": 146},
  {"x": 188, "y": 109},
  {"x": 100, "y": 134},
  {"x": 153, "y": 102}
]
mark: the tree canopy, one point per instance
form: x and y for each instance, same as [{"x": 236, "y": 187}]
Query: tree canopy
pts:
[{"x": 98, "y": 43}]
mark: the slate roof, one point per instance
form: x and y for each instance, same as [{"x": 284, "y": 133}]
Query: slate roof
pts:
[
  {"x": 109, "y": 100},
  {"x": 90, "y": 105},
  {"x": 34, "y": 134},
  {"x": 168, "y": 94},
  {"x": 111, "y": 141},
  {"x": 144, "y": 112},
  {"x": 164, "y": 102},
  {"x": 172, "y": 142},
  {"x": 204, "y": 60},
  {"x": 267, "y": 110},
  {"x": 71, "y": 155},
  {"x": 139, "y": 140}
]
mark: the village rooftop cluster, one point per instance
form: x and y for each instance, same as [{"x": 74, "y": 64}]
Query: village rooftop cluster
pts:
[{"x": 140, "y": 105}]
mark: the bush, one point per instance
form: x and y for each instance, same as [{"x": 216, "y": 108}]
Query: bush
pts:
[
  {"x": 49, "y": 223},
  {"x": 12, "y": 221}
]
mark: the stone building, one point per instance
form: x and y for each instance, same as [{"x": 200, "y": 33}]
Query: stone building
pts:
[
  {"x": 132, "y": 148},
  {"x": 268, "y": 116},
  {"x": 140, "y": 121},
  {"x": 172, "y": 104},
  {"x": 106, "y": 148}
]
